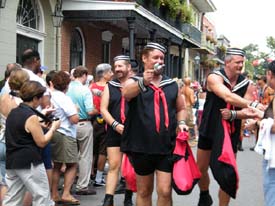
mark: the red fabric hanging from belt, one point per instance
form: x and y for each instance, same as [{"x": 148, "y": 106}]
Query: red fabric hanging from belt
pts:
[
  {"x": 122, "y": 109},
  {"x": 158, "y": 93}
]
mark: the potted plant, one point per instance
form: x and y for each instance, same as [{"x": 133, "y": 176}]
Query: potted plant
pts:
[{"x": 186, "y": 13}]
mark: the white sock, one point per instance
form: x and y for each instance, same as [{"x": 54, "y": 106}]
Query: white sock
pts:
[{"x": 99, "y": 175}]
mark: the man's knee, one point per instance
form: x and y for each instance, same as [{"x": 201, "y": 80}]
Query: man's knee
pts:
[
  {"x": 165, "y": 192},
  {"x": 203, "y": 159},
  {"x": 145, "y": 192}
]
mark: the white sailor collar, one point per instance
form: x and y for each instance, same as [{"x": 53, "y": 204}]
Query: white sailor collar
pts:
[
  {"x": 241, "y": 82},
  {"x": 164, "y": 81}
]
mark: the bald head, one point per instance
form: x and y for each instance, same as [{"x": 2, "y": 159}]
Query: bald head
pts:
[{"x": 187, "y": 81}]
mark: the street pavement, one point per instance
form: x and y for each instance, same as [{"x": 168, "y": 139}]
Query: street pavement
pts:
[{"x": 250, "y": 189}]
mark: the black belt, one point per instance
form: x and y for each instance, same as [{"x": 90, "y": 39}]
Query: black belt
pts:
[{"x": 84, "y": 120}]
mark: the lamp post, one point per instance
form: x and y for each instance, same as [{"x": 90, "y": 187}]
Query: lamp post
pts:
[
  {"x": 57, "y": 21},
  {"x": 197, "y": 63}
]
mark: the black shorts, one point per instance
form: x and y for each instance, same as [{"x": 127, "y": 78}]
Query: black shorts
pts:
[
  {"x": 99, "y": 139},
  {"x": 146, "y": 164},
  {"x": 205, "y": 143},
  {"x": 113, "y": 141}
]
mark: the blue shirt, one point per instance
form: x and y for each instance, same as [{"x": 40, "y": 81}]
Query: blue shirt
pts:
[{"x": 82, "y": 97}]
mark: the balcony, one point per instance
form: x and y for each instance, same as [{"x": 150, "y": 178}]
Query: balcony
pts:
[
  {"x": 207, "y": 43},
  {"x": 188, "y": 30},
  {"x": 161, "y": 12},
  {"x": 191, "y": 32}
]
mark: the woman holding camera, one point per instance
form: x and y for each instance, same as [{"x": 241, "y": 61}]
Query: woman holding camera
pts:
[
  {"x": 24, "y": 140},
  {"x": 64, "y": 145}
]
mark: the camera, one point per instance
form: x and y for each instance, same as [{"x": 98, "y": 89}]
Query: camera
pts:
[
  {"x": 158, "y": 68},
  {"x": 48, "y": 119},
  {"x": 51, "y": 118}
]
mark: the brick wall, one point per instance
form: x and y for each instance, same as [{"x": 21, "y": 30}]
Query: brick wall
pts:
[{"x": 93, "y": 42}]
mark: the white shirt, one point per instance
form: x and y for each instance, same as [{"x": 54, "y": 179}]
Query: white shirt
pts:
[
  {"x": 33, "y": 77},
  {"x": 64, "y": 109}
]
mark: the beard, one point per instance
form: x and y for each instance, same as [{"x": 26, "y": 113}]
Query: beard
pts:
[{"x": 120, "y": 74}]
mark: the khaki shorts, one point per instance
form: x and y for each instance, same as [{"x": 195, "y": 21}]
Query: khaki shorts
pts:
[
  {"x": 64, "y": 148},
  {"x": 190, "y": 117}
]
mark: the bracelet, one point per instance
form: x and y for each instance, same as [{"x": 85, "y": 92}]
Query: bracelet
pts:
[
  {"x": 233, "y": 115},
  {"x": 141, "y": 85},
  {"x": 254, "y": 104},
  {"x": 114, "y": 124},
  {"x": 181, "y": 122}
]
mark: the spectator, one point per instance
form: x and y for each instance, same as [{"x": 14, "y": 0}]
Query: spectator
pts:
[
  {"x": 82, "y": 97},
  {"x": 7, "y": 103},
  {"x": 103, "y": 74},
  {"x": 24, "y": 140},
  {"x": 64, "y": 145}
]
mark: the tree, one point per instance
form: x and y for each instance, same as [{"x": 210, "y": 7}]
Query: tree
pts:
[
  {"x": 270, "y": 43},
  {"x": 252, "y": 51}
]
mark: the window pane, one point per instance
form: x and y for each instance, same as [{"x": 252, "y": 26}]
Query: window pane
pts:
[
  {"x": 27, "y": 14},
  {"x": 76, "y": 50}
]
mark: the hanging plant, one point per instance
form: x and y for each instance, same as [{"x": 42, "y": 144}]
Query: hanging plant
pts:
[
  {"x": 186, "y": 13},
  {"x": 223, "y": 49},
  {"x": 208, "y": 37},
  {"x": 215, "y": 41},
  {"x": 173, "y": 6}
]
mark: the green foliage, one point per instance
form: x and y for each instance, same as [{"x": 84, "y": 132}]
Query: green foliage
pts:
[
  {"x": 251, "y": 51},
  {"x": 270, "y": 41},
  {"x": 176, "y": 8},
  {"x": 252, "y": 54},
  {"x": 186, "y": 13}
]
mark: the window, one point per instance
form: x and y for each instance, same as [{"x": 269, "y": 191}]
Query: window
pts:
[
  {"x": 27, "y": 14},
  {"x": 106, "y": 52},
  {"x": 76, "y": 50},
  {"x": 30, "y": 27}
]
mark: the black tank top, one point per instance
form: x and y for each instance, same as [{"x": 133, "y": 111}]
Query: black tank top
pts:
[
  {"x": 211, "y": 118},
  {"x": 21, "y": 149},
  {"x": 114, "y": 105},
  {"x": 140, "y": 133}
]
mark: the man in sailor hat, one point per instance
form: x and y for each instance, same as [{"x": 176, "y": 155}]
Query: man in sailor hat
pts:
[{"x": 227, "y": 92}]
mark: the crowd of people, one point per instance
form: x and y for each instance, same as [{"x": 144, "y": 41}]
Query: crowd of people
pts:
[{"x": 62, "y": 126}]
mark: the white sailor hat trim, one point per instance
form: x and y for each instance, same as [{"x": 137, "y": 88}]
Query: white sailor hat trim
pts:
[
  {"x": 235, "y": 51},
  {"x": 153, "y": 45},
  {"x": 122, "y": 57}
]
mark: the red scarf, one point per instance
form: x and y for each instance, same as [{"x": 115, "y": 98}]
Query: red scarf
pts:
[
  {"x": 122, "y": 109},
  {"x": 158, "y": 93}
]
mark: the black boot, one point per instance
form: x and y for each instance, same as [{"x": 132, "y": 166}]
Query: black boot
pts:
[
  {"x": 108, "y": 200},
  {"x": 128, "y": 198},
  {"x": 240, "y": 146},
  {"x": 205, "y": 199}
]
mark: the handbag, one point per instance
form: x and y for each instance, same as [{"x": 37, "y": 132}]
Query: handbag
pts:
[
  {"x": 128, "y": 173},
  {"x": 185, "y": 172}
]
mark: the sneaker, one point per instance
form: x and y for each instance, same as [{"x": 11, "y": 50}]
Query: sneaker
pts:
[
  {"x": 246, "y": 133},
  {"x": 205, "y": 200},
  {"x": 100, "y": 184}
]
